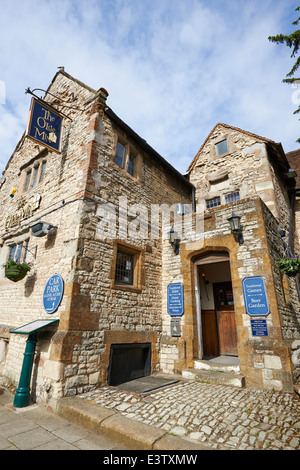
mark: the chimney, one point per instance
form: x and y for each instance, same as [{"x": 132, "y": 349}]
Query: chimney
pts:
[{"x": 100, "y": 100}]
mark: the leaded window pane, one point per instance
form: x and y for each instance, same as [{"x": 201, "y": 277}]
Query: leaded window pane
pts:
[{"x": 124, "y": 268}]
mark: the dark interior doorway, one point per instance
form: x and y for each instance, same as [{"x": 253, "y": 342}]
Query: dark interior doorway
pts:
[
  {"x": 216, "y": 306},
  {"x": 129, "y": 362}
]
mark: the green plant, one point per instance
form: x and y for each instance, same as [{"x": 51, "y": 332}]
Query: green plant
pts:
[
  {"x": 15, "y": 271},
  {"x": 10, "y": 263},
  {"x": 289, "y": 266}
]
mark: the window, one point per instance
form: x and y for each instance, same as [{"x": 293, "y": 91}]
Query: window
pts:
[
  {"x": 130, "y": 168},
  {"x": 210, "y": 203},
  {"x": 127, "y": 267},
  {"x": 124, "y": 268},
  {"x": 119, "y": 160},
  {"x": 127, "y": 158},
  {"x": 35, "y": 176},
  {"x": 34, "y": 173},
  {"x": 232, "y": 197},
  {"x": 222, "y": 147},
  {"x": 43, "y": 171},
  {"x": 28, "y": 178},
  {"x": 18, "y": 252}
]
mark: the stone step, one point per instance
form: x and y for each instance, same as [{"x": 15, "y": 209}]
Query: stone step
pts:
[
  {"x": 224, "y": 364},
  {"x": 297, "y": 388},
  {"x": 215, "y": 377}
]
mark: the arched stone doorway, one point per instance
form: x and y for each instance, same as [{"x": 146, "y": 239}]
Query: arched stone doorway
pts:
[{"x": 217, "y": 332}]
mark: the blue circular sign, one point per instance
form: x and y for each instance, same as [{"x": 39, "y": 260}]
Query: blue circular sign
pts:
[{"x": 53, "y": 293}]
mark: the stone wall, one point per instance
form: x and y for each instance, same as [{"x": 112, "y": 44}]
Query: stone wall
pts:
[
  {"x": 121, "y": 314},
  {"x": 288, "y": 295},
  {"x": 246, "y": 167},
  {"x": 60, "y": 205}
]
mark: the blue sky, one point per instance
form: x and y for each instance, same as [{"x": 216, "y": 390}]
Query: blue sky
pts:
[{"x": 173, "y": 68}]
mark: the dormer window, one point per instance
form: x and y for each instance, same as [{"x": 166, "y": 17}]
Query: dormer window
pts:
[{"x": 221, "y": 147}]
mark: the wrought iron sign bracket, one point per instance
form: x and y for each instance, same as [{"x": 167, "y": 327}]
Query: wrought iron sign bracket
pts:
[{"x": 31, "y": 92}]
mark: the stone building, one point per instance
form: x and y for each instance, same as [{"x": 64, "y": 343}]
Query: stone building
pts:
[
  {"x": 236, "y": 172},
  {"x": 105, "y": 178},
  {"x": 99, "y": 213}
]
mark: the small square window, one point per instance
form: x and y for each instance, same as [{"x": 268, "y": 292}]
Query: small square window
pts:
[
  {"x": 124, "y": 268},
  {"x": 127, "y": 271},
  {"x": 232, "y": 197},
  {"x": 119, "y": 160},
  {"x": 210, "y": 203},
  {"x": 222, "y": 147}
]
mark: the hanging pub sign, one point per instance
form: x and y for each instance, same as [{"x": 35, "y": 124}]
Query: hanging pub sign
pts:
[{"x": 45, "y": 125}]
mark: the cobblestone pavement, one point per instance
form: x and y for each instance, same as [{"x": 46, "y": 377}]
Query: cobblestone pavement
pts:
[{"x": 222, "y": 417}]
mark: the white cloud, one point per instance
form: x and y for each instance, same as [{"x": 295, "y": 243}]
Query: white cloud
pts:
[{"x": 173, "y": 69}]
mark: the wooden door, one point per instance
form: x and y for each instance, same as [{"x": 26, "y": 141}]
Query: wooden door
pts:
[
  {"x": 209, "y": 333},
  {"x": 225, "y": 318}
]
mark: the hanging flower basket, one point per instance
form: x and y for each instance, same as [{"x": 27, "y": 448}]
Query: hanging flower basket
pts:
[
  {"x": 16, "y": 271},
  {"x": 289, "y": 266}
]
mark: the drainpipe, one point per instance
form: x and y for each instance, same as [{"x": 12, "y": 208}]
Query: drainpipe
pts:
[
  {"x": 194, "y": 200},
  {"x": 292, "y": 199}
]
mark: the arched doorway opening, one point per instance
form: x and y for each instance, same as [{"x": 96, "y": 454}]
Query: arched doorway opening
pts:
[{"x": 217, "y": 331}]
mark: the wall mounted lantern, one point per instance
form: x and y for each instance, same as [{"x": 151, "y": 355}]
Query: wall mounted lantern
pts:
[
  {"x": 174, "y": 240},
  {"x": 235, "y": 225}
]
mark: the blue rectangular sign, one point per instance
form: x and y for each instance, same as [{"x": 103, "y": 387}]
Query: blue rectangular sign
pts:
[
  {"x": 175, "y": 300},
  {"x": 44, "y": 126},
  {"x": 255, "y": 296},
  {"x": 259, "y": 327}
]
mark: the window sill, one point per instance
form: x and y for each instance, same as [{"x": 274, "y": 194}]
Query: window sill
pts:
[
  {"x": 32, "y": 191},
  {"x": 135, "y": 179},
  {"x": 125, "y": 287},
  {"x": 222, "y": 155}
]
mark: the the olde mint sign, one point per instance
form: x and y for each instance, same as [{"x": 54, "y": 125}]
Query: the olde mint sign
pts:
[
  {"x": 53, "y": 293},
  {"x": 255, "y": 296},
  {"x": 44, "y": 126},
  {"x": 175, "y": 299}
]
